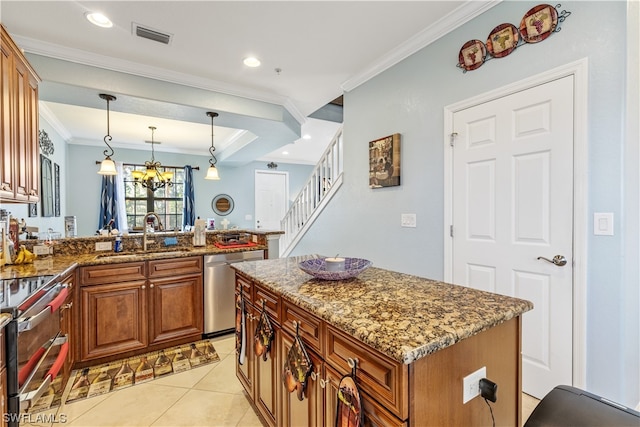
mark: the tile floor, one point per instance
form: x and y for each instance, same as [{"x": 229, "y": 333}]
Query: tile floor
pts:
[{"x": 209, "y": 395}]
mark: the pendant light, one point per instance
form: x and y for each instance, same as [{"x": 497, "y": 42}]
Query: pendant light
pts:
[
  {"x": 151, "y": 177},
  {"x": 212, "y": 172},
  {"x": 107, "y": 167}
]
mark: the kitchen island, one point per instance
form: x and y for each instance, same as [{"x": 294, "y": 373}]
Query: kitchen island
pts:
[{"x": 411, "y": 339}]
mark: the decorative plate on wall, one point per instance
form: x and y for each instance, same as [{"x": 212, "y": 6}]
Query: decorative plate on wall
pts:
[
  {"x": 502, "y": 40},
  {"x": 472, "y": 55},
  {"x": 538, "y": 23}
]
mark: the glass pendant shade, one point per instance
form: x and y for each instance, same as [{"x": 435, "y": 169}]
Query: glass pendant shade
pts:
[
  {"x": 212, "y": 173},
  {"x": 136, "y": 174},
  {"x": 108, "y": 167}
]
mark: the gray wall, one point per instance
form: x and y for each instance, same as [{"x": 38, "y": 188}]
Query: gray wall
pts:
[
  {"x": 83, "y": 189},
  {"x": 409, "y": 98},
  {"x": 21, "y": 210}
]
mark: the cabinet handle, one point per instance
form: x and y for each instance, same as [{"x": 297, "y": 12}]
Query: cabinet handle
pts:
[
  {"x": 143, "y": 287},
  {"x": 67, "y": 306},
  {"x": 151, "y": 286},
  {"x": 323, "y": 383}
]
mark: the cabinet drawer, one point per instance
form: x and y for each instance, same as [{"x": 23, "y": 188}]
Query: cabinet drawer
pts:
[
  {"x": 100, "y": 274},
  {"x": 175, "y": 266},
  {"x": 271, "y": 302},
  {"x": 377, "y": 374},
  {"x": 245, "y": 285},
  {"x": 310, "y": 328}
]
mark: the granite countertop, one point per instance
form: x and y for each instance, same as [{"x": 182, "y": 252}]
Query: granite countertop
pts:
[
  {"x": 60, "y": 264},
  {"x": 403, "y": 316}
]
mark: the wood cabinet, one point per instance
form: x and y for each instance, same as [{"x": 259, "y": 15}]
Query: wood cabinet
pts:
[
  {"x": 426, "y": 392},
  {"x": 19, "y": 156},
  {"x": 125, "y": 310},
  {"x": 68, "y": 323},
  {"x": 261, "y": 378}
]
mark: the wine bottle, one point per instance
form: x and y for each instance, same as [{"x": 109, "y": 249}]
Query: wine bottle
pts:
[
  {"x": 100, "y": 384},
  {"x": 124, "y": 377},
  {"x": 196, "y": 357},
  {"x": 80, "y": 387},
  {"x": 144, "y": 371},
  {"x": 162, "y": 365},
  {"x": 180, "y": 362}
]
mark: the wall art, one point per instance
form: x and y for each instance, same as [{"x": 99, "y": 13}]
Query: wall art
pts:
[
  {"x": 384, "y": 162},
  {"x": 536, "y": 25}
]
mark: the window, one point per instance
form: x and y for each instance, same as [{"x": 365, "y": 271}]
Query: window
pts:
[{"x": 167, "y": 202}]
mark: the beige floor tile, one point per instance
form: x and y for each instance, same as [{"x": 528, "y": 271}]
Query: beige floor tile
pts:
[
  {"x": 205, "y": 408},
  {"x": 138, "y": 406},
  {"x": 225, "y": 344},
  {"x": 529, "y": 403},
  {"x": 186, "y": 379},
  {"x": 250, "y": 419},
  {"x": 222, "y": 378},
  {"x": 73, "y": 410}
]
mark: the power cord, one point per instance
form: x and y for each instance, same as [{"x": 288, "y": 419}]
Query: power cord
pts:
[{"x": 493, "y": 420}]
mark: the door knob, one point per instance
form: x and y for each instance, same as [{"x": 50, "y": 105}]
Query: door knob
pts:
[{"x": 558, "y": 260}]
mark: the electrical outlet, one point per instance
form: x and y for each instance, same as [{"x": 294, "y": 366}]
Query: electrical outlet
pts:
[
  {"x": 408, "y": 220},
  {"x": 41, "y": 250},
  {"x": 471, "y": 384},
  {"x": 103, "y": 246}
]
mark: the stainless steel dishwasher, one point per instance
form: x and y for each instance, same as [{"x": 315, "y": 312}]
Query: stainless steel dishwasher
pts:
[{"x": 219, "y": 290}]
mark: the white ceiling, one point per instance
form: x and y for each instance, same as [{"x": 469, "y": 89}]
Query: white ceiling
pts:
[{"x": 323, "y": 48}]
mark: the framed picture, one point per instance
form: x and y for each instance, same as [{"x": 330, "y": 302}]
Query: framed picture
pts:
[
  {"x": 56, "y": 193},
  {"x": 211, "y": 223},
  {"x": 384, "y": 162},
  {"x": 46, "y": 186},
  {"x": 33, "y": 210}
]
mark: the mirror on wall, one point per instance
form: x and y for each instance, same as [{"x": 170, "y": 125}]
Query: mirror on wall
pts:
[
  {"x": 46, "y": 190},
  {"x": 222, "y": 204}
]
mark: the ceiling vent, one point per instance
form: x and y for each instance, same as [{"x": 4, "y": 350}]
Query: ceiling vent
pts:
[{"x": 148, "y": 33}]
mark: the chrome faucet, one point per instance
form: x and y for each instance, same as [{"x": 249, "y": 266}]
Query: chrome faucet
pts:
[{"x": 145, "y": 227}]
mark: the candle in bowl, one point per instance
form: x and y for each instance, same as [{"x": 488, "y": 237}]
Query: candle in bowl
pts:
[{"x": 334, "y": 264}]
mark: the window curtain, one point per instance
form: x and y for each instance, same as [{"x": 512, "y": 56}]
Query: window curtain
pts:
[
  {"x": 112, "y": 206},
  {"x": 189, "y": 210},
  {"x": 108, "y": 202}
]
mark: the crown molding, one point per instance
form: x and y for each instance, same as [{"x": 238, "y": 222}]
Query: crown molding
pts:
[
  {"x": 448, "y": 23},
  {"x": 53, "y": 121},
  {"x": 55, "y": 51}
]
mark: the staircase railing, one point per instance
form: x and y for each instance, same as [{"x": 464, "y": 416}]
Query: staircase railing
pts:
[{"x": 323, "y": 183}]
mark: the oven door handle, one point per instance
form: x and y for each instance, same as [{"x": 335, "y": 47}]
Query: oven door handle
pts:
[
  {"x": 33, "y": 321},
  {"x": 31, "y": 397}
]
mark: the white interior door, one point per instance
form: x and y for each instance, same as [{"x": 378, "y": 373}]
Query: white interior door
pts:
[
  {"x": 271, "y": 198},
  {"x": 512, "y": 203}
]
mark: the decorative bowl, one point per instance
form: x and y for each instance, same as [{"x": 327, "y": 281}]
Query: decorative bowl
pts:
[{"x": 317, "y": 267}]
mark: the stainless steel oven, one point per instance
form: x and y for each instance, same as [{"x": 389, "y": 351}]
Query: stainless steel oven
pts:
[{"x": 35, "y": 348}]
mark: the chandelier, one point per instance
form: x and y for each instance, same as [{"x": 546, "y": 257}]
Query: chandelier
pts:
[{"x": 151, "y": 177}]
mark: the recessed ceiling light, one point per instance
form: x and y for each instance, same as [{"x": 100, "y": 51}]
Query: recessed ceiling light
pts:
[
  {"x": 285, "y": 152},
  {"x": 251, "y": 62},
  {"x": 97, "y": 18},
  {"x": 306, "y": 136}
]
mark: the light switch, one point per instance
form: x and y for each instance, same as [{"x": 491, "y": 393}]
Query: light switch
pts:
[
  {"x": 603, "y": 223},
  {"x": 408, "y": 220}
]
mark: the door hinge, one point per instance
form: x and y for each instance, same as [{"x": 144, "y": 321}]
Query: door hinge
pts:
[
  {"x": 452, "y": 138},
  {"x": 451, "y": 230}
]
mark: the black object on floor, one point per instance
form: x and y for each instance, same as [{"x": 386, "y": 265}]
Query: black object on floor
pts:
[{"x": 566, "y": 406}]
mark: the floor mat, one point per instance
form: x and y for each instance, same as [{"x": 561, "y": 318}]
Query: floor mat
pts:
[{"x": 97, "y": 380}]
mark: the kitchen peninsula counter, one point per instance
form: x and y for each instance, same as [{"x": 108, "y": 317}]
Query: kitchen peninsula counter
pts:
[
  {"x": 404, "y": 317},
  {"x": 411, "y": 340}
]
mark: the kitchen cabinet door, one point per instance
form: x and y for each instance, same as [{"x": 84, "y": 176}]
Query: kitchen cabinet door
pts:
[
  {"x": 7, "y": 156},
  {"x": 307, "y": 412},
  {"x": 67, "y": 324},
  {"x": 175, "y": 308},
  {"x": 245, "y": 372},
  {"x": 114, "y": 319},
  {"x": 268, "y": 379}
]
